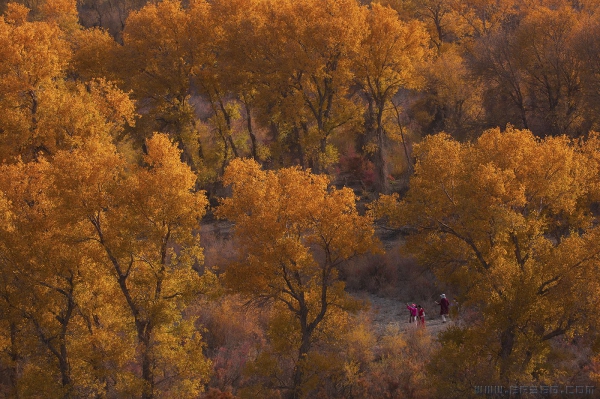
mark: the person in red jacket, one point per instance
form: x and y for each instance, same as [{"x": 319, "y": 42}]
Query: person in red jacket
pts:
[
  {"x": 444, "y": 307},
  {"x": 420, "y": 316}
]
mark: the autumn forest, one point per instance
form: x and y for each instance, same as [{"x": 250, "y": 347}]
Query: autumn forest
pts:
[{"x": 207, "y": 198}]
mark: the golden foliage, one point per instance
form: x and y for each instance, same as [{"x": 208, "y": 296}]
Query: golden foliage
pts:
[
  {"x": 506, "y": 221},
  {"x": 294, "y": 230}
]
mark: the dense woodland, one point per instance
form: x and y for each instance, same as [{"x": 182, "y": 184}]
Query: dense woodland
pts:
[{"x": 193, "y": 193}]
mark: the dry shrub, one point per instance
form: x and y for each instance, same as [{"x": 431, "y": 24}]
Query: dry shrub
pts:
[
  {"x": 219, "y": 246},
  {"x": 371, "y": 273},
  {"x": 458, "y": 366},
  {"x": 467, "y": 360},
  {"x": 399, "y": 370},
  {"x": 214, "y": 393},
  {"x": 355, "y": 171},
  {"x": 575, "y": 361},
  {"x": 392, "y": 367},
  {"x": 234, "y": 334},
  {"x": 593, "y": 369},
  {"x": 390, "y": 275},
  {"x": 348, "y": 360},
  {"x": 234, "y": 330}
]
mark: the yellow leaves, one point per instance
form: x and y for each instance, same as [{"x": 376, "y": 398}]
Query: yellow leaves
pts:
[
  {"x": 182, "y": 363},
  {"x": 238, "y": 29},
  {"x": 164, "y": 23},
  {"x": 294, "y": 231},
  {"x": 291, "y": 206},
  {"x": 159, "y": 49},
  {"x": 482, "y": 17},
  {"x": 119, "y": 239},
  {"x": 360, "y": 341},
  {"x": 43, "y": 112},
  {"x": 390, "y": 52},
  {"x": 114, "y": 104},
  {"x": 15, "y": 13},
  {"x": 6, "y": 215},
  {"x": 326, "y": 27},
  {"x": 510, "y": 169},
  {"x": 166, "y": 48},
  {"x": 547, "y": 25},
  {"x": 86, "y": 177},
  {"x": 62, "y": 12},
  {"x": 32, "y": 53},
  {"x": 97, "y": 248},
  {"x": 305, "y": 49},
  {"x": 164, "y": 157},
  {"x": 24, "y": 187},
  {"x": 553, "y": 173},
  {"x": 94, "y": 53},
  {"x": 506, "y": 220},
  {"x": 449, "y": 86}
]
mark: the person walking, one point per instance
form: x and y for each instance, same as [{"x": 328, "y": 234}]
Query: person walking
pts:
[
  {"x": 420, "y": 317},
  {"x": 413, "y": 312},
  {"x": 444, "y": 304}
]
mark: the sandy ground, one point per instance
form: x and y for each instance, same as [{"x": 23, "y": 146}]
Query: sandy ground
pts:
[{"x": 386, "y": 312}]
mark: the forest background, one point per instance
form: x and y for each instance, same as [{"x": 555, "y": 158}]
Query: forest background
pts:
[{"x": 194, "y": 195}]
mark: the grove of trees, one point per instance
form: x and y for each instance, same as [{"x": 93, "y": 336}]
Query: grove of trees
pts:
[{"x": 191, "y": 193}]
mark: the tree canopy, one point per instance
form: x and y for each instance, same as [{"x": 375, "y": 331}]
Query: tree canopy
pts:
[
  {"x": 507, "y": 221},
  {"x": 185, "y": 185},
  {"x": 294, "y": 231}
]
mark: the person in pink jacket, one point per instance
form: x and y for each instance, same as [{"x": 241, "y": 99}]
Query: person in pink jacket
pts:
[{"x": 413, "y": 312}]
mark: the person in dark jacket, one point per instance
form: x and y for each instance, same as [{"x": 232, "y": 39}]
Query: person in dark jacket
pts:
[{"x": 444, "y": 307}]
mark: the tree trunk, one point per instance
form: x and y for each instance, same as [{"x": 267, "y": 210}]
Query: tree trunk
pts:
[
  {"x": 507, "y": 342},
  {"x": 147, "y": 371},
  {"x": 227, "y": 134},
  {"x": 13, "y": 373},
  {"x": 296, "y": 392},
  {"x": 382, "y": 184},
  {"x": 251, "y": 131}
]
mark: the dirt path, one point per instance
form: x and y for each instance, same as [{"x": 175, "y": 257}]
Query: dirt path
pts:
[{"x": 386, "y": 312}]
